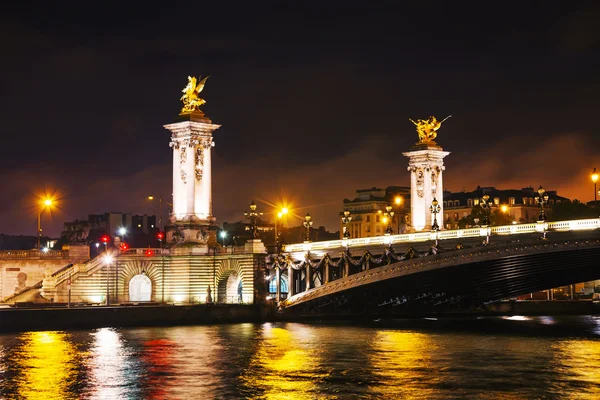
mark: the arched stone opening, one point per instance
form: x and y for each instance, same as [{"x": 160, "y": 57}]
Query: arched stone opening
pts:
[
  {"x": 230, "y": 288},
  {"x": 140, "y": 288}
]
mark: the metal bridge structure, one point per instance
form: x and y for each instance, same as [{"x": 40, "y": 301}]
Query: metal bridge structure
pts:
[{"x": 436, "y": 271}]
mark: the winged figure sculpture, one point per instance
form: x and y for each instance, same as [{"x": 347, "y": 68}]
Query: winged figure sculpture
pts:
[{"x": 191, "y": 99}]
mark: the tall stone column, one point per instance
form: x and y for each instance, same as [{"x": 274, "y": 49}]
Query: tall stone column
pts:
[
  {"x": 191, "y": 141},
  {"x": 426, "y": 164}
]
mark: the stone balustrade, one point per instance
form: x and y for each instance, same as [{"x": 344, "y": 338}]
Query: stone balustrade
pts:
[{"x": 34, "y": 254}]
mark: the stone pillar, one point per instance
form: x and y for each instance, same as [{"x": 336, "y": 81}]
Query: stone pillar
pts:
[
  {"x": 278, "y": 284},
  {"x": 191, "y": 141},
  {"x": 291, "y": 286},
  {"x": 326, "y": 273},
  {"x": 426, "y": 164}
]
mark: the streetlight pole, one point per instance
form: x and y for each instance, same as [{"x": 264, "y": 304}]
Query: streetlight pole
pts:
[
  {"x": 307, "y": 224},
  {"x": 45, "y": 203},
  {"x": 346, "y": 218},
  {"x": 595, "y": 179},
  {"x": 389, "y": 214},
  {"x": 485, "y": 204},
  {"x": 398, "y": 201},
  {"x": 254, "y": 218},
  {"x": 435, "y": 209},
  {"x": 542, "y": 198}
]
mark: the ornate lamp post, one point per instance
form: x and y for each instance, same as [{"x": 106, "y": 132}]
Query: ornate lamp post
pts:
[
  {"x": 485, "y": 204},
  {"x": 435, "y": 209},
  {"x": 254, "y": 218},
  {"x": 389, "y": 214},
  {"x": 542, "y": 198},
  {"x": 307, "y": 224},
  {"x": 595, "y": 179},
  {"x": 400, "y": 203},
  {"x": 346, "y": 218},
  {"x": 46, "y": 203},
  {"x": 280, "y": 214}
]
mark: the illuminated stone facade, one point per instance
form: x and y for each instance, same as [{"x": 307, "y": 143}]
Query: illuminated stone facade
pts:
[
  {"x": 192, "y": 142},
  {"x": 426, "y": 165}
]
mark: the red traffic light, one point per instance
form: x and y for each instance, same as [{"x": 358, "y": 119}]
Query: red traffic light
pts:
[
  {"x": 124, "y": 246},
  {"x": 105, "y": 239},
  {"x": 160, "y": 236}
]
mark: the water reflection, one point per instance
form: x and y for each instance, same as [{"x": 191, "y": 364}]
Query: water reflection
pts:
[
  {"x": 402, "y": 360},
  {"x": 286, "y": 364},
  {"x": 113, "y": 374},
  {"x": 578, "y": 361},
  {"x": 46, "y": 365}
]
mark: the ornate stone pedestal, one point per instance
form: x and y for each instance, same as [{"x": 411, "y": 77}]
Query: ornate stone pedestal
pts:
[
  {"x": 426, "y": 164},
  {"x": 255, "y": 246},
  {"x": 192, "y": 222}
]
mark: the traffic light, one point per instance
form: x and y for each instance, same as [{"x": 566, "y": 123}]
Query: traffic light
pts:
[
  {"x": 105, "y": 239},
  {"x": 124, "y": 246},
  {"x": 160, "y": 236}
]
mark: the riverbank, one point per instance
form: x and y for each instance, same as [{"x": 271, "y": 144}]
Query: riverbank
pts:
[{"x": 88, "y": 317}]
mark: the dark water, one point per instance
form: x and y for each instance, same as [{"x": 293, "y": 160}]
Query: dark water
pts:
[{"x": 491, "y": 358}]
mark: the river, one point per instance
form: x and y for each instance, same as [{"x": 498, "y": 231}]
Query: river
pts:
[{"x": 474, "y": 358}]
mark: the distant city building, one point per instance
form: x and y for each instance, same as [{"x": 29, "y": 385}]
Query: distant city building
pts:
[
  {"x": 520, "y": 205},
  {"x": 368, "y": 207}
]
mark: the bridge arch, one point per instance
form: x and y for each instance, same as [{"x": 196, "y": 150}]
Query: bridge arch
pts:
[
  {"x": 140, "y": 288},
  {"x": 128, "y": 270}
]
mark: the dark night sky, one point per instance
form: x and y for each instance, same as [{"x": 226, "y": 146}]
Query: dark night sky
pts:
[{"x": 314, "y": 99}]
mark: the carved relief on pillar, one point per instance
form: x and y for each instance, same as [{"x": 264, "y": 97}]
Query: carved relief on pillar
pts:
[
  {"x": 182, "y": 161},
  {"x": 434, "y": 175},
  {"x": 199, "y": 155},
  {"x": 420, "y": 182}
]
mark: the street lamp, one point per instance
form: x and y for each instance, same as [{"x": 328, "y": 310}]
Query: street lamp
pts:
[
  {"x": 280, "y": 214},
  {"x": 399, "y": 202},
  {"x": 595, "y": 179},
  {"x": 389, "y": 214},
  {"x": 160, "y": 236},
  {"x": 107, "y": 260},
  {"x": 435, "y": 209},
  {"x": 254, "y": 218},
  {"x": 45, "y": 204},
  {"x": 307, "y": 224},
  {"x": 223, "y": 235},
  {"x": 542, "y": 198},
  {"x": 160, "y": 217},
  {"x": 346, "y": 218},
  {"x": 485, "y": 204}
]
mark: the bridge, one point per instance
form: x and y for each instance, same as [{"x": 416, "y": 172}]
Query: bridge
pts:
[{"x": 467, "y": 268}]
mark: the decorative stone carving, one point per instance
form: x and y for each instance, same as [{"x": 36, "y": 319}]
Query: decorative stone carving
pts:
[
  {"x": 420, "y": 182},
  {"x": 199, "y": 162},
  {"x": 182, "y": 161},
  {"x": 202, "y": 235}
]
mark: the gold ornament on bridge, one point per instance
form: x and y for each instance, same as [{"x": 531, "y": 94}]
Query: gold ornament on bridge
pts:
[
  {"x": 427, "y": 128},
  {"x": 190, "y": 98}
]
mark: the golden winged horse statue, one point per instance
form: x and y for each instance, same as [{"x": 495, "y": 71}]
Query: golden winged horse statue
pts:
[
  {"x": 191, "y": 99},
  {"x": 427, "y": 129}
]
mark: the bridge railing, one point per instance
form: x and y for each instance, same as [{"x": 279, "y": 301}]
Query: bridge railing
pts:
[
  {"x": 145, "y": 252},
  {"x": 514, "y": 229},
  {"x": 34, "y": 254}
]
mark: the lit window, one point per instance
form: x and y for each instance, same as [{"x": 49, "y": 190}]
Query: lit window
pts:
[
  {"x": 368, "y": 218},
  {"x": 377, "y": 218},
  {"x": 511, "y": 201},
  {"x": 497, "y": 201}
]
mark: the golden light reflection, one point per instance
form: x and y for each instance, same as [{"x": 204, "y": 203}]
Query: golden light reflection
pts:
[
  {"x": 402, "y": 360},
  {"x": 48, "y": 363},
  {"x": 579, "y": 359},
  {"x": 283, "y": 367}
]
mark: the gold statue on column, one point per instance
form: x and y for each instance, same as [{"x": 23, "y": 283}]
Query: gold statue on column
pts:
[
  {"x": 190, "y": 98},
  {"x": 427, "y": 128}
]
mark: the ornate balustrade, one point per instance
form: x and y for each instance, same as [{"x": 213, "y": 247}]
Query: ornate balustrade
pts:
[
  {"x": 34, "y": 254},
  {"x": 515, "y": 229}
]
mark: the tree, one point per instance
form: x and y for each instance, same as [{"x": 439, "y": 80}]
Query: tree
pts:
[
  {"x": 477, "y": 216},
  {"x": 575, "y": 209}
]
